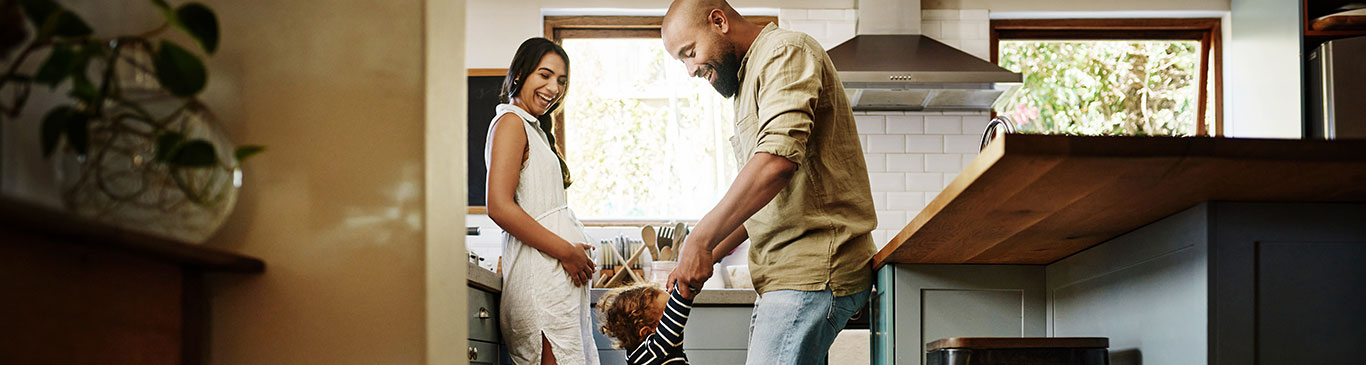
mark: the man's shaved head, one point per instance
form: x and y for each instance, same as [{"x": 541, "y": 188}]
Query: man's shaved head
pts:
[
  {"x": 703, "y": 34},
  {"x": 693, "y": 13}
]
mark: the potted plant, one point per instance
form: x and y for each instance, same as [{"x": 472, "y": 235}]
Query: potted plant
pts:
[{"x": 134, "y": 144}]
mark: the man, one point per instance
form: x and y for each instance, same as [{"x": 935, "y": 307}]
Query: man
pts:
[{"x": 802, "y": 194}]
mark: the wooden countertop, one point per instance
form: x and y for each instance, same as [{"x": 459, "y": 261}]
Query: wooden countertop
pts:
[
  {"x": 1035, "y": 199},
  {"x": 31, "y": 219}
]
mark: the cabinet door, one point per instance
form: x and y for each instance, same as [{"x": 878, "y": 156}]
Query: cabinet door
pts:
[
  {"x": 931, "y": 302},
  {"x": 483, "y": 315},
  {"x": 481, "y": 352}
]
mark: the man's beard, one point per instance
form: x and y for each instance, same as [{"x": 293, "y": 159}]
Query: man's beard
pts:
[{"x": 727, "y": 73}]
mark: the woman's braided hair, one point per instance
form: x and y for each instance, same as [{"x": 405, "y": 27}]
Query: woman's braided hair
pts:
[{"x": 625, "y": 311}]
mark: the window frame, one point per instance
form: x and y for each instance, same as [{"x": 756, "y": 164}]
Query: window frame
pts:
[{"x": 1204, "y": 30}]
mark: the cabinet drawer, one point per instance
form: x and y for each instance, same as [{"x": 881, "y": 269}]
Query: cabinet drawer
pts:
[
  {"x": 481, "y": 352},
  {"x": 483, "y": 315}
]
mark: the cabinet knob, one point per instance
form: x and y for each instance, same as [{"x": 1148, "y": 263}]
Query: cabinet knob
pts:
[
  {"x": 474, "y": 354},
  {"x": 484, "y": 313}
]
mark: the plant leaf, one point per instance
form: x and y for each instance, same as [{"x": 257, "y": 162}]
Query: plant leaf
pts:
[
  {"x": 161, "y": 4},
  {"x": 167, "y": 144},
  {"x": 70, "y": 25},
  {"x": 245, "y": 152},
  {"x": 199, "y": 22},
  {"x": 179, "y": 71},
  {"x": 82, "y": 89},
  {"x": 57, "y": 66},
  {"x": 195, "y": 153},
  {"x": 38, "y": 10},
  {"x": 54, "y": 124},
  {"x": 78, "y": 132}
]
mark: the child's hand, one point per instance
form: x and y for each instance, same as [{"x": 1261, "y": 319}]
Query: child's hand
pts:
[
  {"x": 686, "y": 293},
  {"x": 577, "y": 264}
]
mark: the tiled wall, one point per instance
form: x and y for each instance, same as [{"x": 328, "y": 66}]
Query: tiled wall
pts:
[
  {"x": 911, "y": 157},
  {"x": 967, "y": 29},
  {"x": 830, "y": 27}
]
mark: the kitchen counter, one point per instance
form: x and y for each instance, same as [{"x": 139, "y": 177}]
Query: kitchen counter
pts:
[
  {"x": 708, "y": 297},
  {"x": 484, "y": 279},
  {"x": 1036, "y": 199}
]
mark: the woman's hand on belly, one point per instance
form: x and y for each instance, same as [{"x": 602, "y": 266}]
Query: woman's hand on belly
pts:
[{"x": 577, "y": 264}]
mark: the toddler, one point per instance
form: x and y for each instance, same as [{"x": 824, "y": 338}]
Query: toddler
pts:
[{"x": 647, "y": 323}]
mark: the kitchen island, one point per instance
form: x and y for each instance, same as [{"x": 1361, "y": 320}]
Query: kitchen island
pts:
[{"x": 1180, "y": 250}]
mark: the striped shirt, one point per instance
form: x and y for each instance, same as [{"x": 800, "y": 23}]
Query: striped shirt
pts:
[{"x": 665, "y": 346}]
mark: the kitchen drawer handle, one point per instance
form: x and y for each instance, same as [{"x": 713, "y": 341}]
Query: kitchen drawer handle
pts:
[
  {"x": 474, "y": 354},
  {"x": 484, "y": 313}
]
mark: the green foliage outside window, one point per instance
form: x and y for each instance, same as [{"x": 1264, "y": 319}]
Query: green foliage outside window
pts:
[{"x": 1104, "y": 87}]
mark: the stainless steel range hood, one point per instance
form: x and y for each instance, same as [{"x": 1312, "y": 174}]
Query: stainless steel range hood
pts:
[{"x": 912, "y": 72}]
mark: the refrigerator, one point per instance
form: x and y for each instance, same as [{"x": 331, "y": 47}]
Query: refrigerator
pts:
[{"x": 1336, "y": 84}]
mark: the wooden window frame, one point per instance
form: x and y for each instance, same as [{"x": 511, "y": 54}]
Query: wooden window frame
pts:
[{"x": 1204, "y": 30}]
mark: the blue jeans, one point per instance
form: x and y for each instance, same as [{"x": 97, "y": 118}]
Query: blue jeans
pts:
[{"x": 797, "y": 327}]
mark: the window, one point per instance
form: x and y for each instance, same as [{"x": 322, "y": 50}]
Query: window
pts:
[
  {"x": 643, "y": 139},
  {"x": 1112, "y": 76}
]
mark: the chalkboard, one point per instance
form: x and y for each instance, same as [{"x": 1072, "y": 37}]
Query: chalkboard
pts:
[{"x": 483, "y": 93}]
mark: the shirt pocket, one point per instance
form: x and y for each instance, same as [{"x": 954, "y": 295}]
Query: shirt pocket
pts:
[{"x": 746, "y": 138}]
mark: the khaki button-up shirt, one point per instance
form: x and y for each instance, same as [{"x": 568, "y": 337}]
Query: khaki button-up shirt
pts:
[{"x": 815, "y": 234}]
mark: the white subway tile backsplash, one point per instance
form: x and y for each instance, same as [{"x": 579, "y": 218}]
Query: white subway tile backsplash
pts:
[
  {"x": 880, "y": 200},
  {"x": 932, "y": 28},
  {"x": 930, "y": 195},
  {"x": 943, "y": 163},
  {"x": 870, "y": 124},
  {"x": 887, "y": 219},
  {"x": 903, "y": 162},
  {"x": 940, "y": 14},
  {"x": 975, "y": 124},
  {"x": 886, "y": 181},
  {"x": 876, "y": 162},
  {"x": 863, "y": 142},
  {"x": 979, "y": 48},
  {"x": 792, "y": 14},
  {"x": 952, "y": 30},
  {"x": 943, "y": 125},
  {"x": 886, "y": 143},
  {"x": 813, "y": 28},
  {"x": 905, "y": 201},
  {"x": 973, "y": 14},
  {"x": 948, "y": 178},
  {"x": 824, "y": 14},
  {"x": 879, "y": 238},
  {"x": 962, "y": 143},
  {"x": 974, "y": 29},
  {"x": 839, "y": 31},
  {"x": 924, "y": 144},
  {"x": 924, "y": 182},
  {"x": 906, "y": 124}
]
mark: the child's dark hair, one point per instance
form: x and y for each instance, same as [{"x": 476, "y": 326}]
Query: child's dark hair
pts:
[
  {"x": 625, "y": 311},
  {"x": 523, "y": 64}
]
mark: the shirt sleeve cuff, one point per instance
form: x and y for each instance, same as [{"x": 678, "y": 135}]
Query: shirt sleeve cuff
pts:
[{"x": 782, "y": 146}]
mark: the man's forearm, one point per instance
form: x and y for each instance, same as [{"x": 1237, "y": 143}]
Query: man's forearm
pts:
[
  {"x": 729, "y": 244},
  {"x": 762, "y": 178}
]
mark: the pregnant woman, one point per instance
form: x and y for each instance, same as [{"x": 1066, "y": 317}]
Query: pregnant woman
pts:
[{"x": 545, "y": 310}]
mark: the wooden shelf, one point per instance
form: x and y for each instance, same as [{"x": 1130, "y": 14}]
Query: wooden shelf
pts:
[
  {"x": 25, "y": 218},
  {"x": 1035, "y": 199}
]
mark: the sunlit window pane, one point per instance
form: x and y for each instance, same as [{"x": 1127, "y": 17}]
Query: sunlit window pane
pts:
[
  {"x": 1104, "y": 87},
  {"x": 643, "y": 140}
]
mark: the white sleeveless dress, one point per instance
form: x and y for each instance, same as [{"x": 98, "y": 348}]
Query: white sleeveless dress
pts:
[{"x": 538, "y": 296}]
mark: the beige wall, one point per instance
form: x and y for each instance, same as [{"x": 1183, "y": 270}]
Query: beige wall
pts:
[{"x": 335, "y": 207}]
